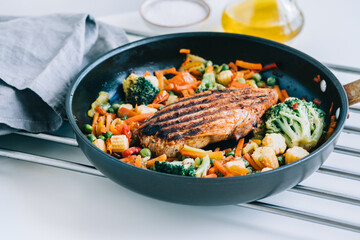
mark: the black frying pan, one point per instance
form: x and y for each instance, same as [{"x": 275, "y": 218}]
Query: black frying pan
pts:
[{"x": 297, "y": 70}]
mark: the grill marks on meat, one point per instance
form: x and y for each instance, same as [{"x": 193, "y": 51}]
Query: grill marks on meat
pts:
[{"x": 206, "y": 118}]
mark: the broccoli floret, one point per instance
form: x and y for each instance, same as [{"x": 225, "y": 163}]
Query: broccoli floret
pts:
[
  {"x": 139, "y": 90},
  {"x": 175, "y": 167},
  {"x": 299, "y": 121},
  {"x": 208, "y": 83}
]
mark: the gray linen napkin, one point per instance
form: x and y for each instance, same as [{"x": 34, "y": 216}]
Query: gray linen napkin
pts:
[{"x": 39, "y": 57}]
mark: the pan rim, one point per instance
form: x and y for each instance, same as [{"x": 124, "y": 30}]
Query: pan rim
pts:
[{"x": 282, "y": 47}]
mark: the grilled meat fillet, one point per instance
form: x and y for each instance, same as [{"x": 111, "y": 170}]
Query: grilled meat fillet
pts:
[{"x": 206, "y": 118}]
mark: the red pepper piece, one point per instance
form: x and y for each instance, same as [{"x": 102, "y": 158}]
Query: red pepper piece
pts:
[
  {"x": 131, "y": 151},
  {"x": 268, "y": 67}
]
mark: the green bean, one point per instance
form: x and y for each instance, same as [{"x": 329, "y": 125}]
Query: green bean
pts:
[{"x": 108, "y": 134}]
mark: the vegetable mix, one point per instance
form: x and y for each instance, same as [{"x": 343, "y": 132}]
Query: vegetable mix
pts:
[{"x": 287, "y": 132}]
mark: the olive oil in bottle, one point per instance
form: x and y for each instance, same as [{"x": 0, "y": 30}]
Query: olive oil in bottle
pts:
[{"x": 279, "y": 20}]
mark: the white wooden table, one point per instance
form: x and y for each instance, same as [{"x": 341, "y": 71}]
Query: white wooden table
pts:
[{"x": 42, "y": 202}]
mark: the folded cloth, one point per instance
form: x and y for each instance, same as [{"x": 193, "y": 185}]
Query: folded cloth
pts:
[{"x": 39, "y": 57}]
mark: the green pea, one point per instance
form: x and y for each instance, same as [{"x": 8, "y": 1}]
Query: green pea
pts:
[
  {"x": 261, "y": 84},
  {"x": 88, "y": 128},
  {"x": 212, "y": 161},
  {"x": 115, "y": 106},
  {"x": 246, "y": 163},
  {"x": 256, "y": 77},
  {"x": 224, "y": 67},
  {"x": 281, "y": 160},
  {"x": 91, "y": 137},
  {"x": 111, "y": 110},
  {"x": 108, "y": 134},
  {"x": 231, "y": 153},
  {"x": 271, "y": 81},
  {"x": 101, "y": 137},
  {"x": 241, "y": 80},
  {"x": 124, "y": 117},
  {"x": 145, "y": 152}
]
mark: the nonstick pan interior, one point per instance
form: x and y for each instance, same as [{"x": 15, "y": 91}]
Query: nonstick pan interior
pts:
[{"x": 296, "y": 72}]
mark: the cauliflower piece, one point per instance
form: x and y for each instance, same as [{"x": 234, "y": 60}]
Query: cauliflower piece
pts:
[
  {"x": 127, "y": 106},
  {"x": 237, "y": 167},
  {"x": 103, "y": 98},
  {"x": 172, "y": 99},
  {"x": 154, "y": 81},
  {"x": 276, "y": 141},
  {"x": 250, "y": 147},
  {"x": 295, "y": 153},
  {"x": 224, "y": 77},
  {"x": 266, "y": 169},
  {"x": 145, "y": 109},
  {"x": 265, "y": 157},
  {"x": 131, "y": 79}
]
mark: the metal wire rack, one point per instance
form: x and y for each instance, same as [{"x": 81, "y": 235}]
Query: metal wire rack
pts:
[{"x": 258, "y": 205}]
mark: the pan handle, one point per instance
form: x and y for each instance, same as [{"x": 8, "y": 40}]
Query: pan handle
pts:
[{"x": 353, "y": 92}]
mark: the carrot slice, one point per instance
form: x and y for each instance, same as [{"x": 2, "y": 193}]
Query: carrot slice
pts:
[
  {"x": 251, "y": 161},
  {"x": 160, "y": 77},
  {"x": 233, "y": 67},
  {"x": 108, "y": 145},
  {"x": 186, "y": 86},
  {"x": 95, "y": 119},
  {"x": 239, "y": 147},
  {"x": 168, "y": 71},
  {"x": 247, "y": 65},
  {"x": 278, "y": 91},
  {"x": 212, "y": 175},
  {"x": 221, "y": 168},
  {"x": 237, "y": 84},
  {"x": 214, "y": 155},
  {"x": 151, "y": 162},
  {"x": 100, "y": 110},
  {"x": 156, "y": 105},
  {"x": 126, "y": 112},
  {"x": 212, "y": 170},
  {"x": 284, "y": 94},
  {"x": 209, "y": 69},
  {"x": 138, "y": 118},
  {"x": 146, "y": 74},
  {"x": 184, "y": 50},
  {"x": 249, "y": 75},
  {"x": 108, "y": 121},
  {"x": 138, "y": 162},
  {"x": 331, "y": 127}
]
